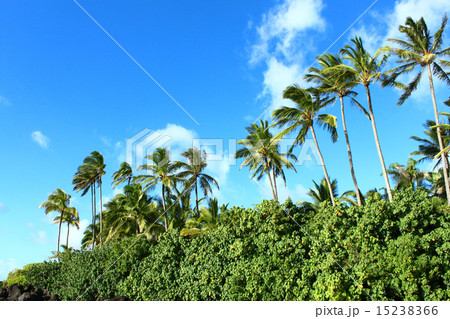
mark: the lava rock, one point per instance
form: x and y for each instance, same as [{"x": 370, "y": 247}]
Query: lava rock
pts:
[{"x": 14, "y": 292}]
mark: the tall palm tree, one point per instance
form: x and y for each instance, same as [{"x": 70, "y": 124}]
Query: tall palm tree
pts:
[
  {"x": 161, "y": 171},
  {"x": 71, "y": 218},
  {"x": 309, "y": 102},
  {"x": 96, "y": 163},
  {"x": 337, "y": 82},
  {"x": 193, "y": 173},
  {"x": 58, "y": 201},
  {"x": 423, "y": 50},
  {"x": 87, "y": 178},
  {"x": 366, "y": 70},
  {"x": 262, "y": 155},
  {"x": 124, "y": 174}
]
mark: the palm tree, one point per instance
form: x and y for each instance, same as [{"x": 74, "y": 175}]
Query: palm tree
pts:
[
  {"x": 131, "y": 213},
  {"x": 125, "y": 173},
  {"x": 321, "y": 193},
  {"x": 261, "y": 154},
  {"x": 84, "y": 180},
  {"x": 96, "y": 163},
  {"x": 409, "y": 176},
  {"x": 58, "y": 201},
  {"x": 429, "y": 147},
  {"x": 339, "y": 83},
  {"x": 88, "y": 176},
  {"x": 179, "y": 210},
  {"x": 206, "y": 221},
  {"x": 89, "y": 238},
  {"x": 423, "y": 50},
  {"x": 193, "y": 172},
  {"x": 71, "y": 218},
  {"x": 161, "y": 171},
  {"x": 303, "y": 116},
  {"x": 366, "y": 70}
]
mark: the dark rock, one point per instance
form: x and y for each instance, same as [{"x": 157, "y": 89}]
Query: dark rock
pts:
[
  {"x": 25, "y": 296},
  {"x": 54, "y": 297},
  {"x": 14, "y": 292},
  {"x": 29, "y": 296},
  {"x": 3, "y": 293},
  {"x": 39, "y": 292},
  {"x": 45, "y": 298}
]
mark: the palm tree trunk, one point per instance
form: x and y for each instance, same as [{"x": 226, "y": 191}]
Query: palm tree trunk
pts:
[
  {"x": 323, "y": 165},
  {"x": 67, "y": 240},
  {"x": 101, "y": 210},
  {"x": 270, "y": 179},
  {"x": 94, "y": 216},
  {"x": 441, "y": 144},
  {"x": 164, "y": 207},
  {"x": 59, "y": 233},
  {"x": 196, "y": 199},
  {"x": 349, "y": 151},
  {"x": 274, "y": 183},
  {"x": 377, "y": 142}
]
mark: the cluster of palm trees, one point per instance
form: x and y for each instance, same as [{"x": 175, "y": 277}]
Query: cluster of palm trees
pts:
[
  {"x": 59, "y": 202},
  {"x": 134, "y": 212},
  {"x": 335, "y": 79}
]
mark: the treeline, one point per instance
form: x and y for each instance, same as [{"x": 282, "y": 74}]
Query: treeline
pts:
[{"x": 379, "y": 251}]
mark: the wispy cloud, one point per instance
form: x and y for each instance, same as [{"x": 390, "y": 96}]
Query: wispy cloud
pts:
[
  {"x": 283, "y": 26},
  {"x": 3, "y": 208},
  {"x": 4, "y": 101},
  {"x": 40, "y": 138},
  {"x": 39, "y": 237},
  {"x": 280, "y": 34}
]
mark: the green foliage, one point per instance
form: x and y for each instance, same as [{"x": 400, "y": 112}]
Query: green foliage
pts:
[
  {"x": 379, "y": 251},
  {"x": 89, "y": 275}
]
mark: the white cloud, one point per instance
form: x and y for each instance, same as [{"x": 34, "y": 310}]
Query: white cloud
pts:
[
  {"x": 39, "y": 237},
  {"x": 3, "y": 208},
  {"x": 279, "y": 36},
  {"x": 6, "y": 265},
  {"x": 282, "y": 26},
  {"x": 431, "y": 11},
  {"x": 277, "y": 77},
  {"x": 40, "y": 138}
]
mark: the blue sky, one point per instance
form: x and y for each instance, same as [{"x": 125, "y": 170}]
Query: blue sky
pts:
[{"x": 67, "y": 89}]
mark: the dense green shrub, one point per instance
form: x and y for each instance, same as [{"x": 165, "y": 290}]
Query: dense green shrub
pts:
[
  {"x": 89, "y": 275},
  {"x": 381, "y": 251}
]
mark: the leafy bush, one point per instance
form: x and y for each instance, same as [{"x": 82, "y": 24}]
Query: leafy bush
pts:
[
  {"x": 89, "y": 275},
  {"x": 381, "y": 251}
]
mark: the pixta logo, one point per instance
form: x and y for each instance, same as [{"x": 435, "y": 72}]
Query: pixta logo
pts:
[{"x": 143, "y": 144}]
